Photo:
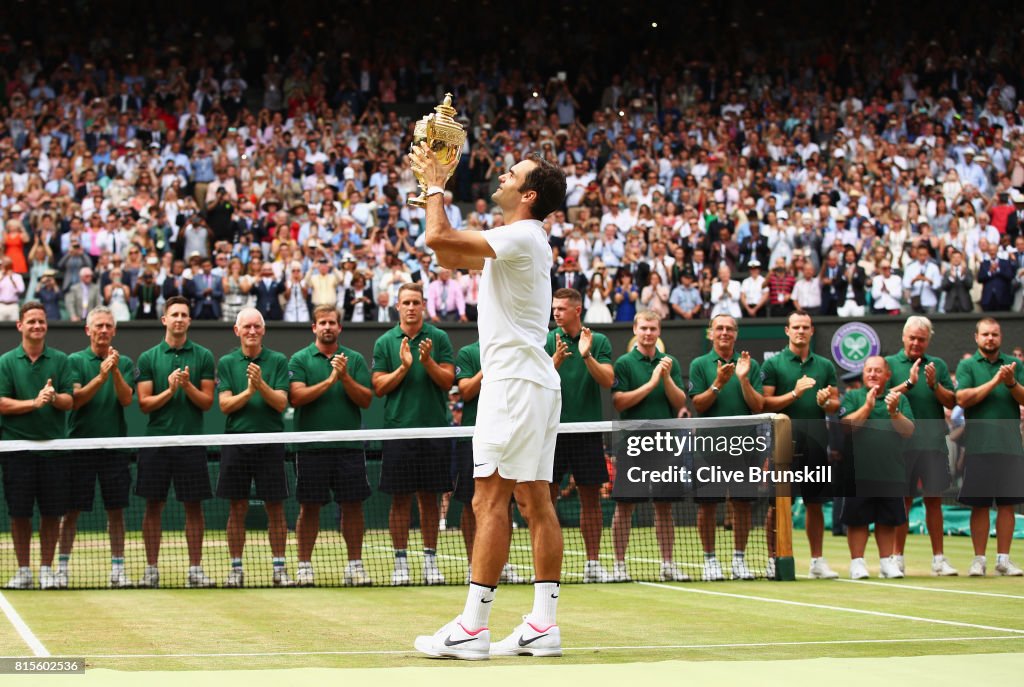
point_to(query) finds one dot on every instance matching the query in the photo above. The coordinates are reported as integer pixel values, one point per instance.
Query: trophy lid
(445, 111)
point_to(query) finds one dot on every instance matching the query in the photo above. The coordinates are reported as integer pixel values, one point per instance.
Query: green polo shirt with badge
(632, 371)
(930, 427)
(729, 401)
(334, 410)
(579, 387)
(22, 379)
(467, 364)
(877, 447)
(103, 415)
(784, 369)
(416, 401)
(256, 415)
(179, 415)
(993, 426)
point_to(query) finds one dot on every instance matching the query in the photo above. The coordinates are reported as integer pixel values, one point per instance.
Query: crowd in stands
(260, 168)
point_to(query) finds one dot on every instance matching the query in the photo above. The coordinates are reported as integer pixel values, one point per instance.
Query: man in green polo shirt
(413, 369)
(253, 397)
(990, 389)
(330, 387)
(725, 382)
(103, 387)
(175, 385)
(925, 382)
(803, 385)
(648, 386)
(584, 362)
(35, 394)
(877, 422)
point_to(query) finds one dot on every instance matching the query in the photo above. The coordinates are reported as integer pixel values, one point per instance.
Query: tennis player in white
(520, 402)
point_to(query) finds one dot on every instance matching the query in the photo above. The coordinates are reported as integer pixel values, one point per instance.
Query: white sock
(195, 569)
(26, 570)
(477, 612)
(980, 558)
(857, 560)
(938, 558)
(306, 564)
(545, 604)
(739, 554)
(1002, 558)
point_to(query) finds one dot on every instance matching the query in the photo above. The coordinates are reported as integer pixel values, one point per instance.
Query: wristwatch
(909, 384)
(794, 394)
(715, 389)
(588, 355)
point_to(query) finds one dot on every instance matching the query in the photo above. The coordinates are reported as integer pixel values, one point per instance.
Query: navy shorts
(30, 478)
(859, 511)
(412, 465)
(184, 466)
(321, 471)
(263, 464)
(930, 468)
(582, 455)
(992, 479)
(462, 472)
(809, 450)
(110, 468)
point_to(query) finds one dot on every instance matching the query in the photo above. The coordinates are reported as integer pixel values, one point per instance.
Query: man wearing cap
(754, 291)
(780, 289)
(568, 276)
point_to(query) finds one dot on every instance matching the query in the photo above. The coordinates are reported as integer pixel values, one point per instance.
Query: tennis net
(381, 507)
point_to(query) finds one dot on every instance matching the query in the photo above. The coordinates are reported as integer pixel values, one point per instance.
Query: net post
(782, 456)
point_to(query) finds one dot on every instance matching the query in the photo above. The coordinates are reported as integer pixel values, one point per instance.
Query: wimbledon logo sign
(853, 343)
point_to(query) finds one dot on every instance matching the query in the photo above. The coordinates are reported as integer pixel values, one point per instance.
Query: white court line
(890, 585)
(22, 628)
(861, 611)
(650, 647)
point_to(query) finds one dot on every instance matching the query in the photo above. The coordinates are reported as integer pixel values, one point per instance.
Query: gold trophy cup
(445, 137)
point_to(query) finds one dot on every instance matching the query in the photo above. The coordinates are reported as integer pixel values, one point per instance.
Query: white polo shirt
(515, 304)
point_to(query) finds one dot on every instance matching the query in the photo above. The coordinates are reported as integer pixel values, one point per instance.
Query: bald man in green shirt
(253, 397)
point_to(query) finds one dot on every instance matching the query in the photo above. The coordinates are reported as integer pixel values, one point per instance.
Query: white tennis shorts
(516, 427)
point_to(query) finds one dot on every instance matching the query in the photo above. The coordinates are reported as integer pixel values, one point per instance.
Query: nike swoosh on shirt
(527, 642)
(449, 642)
(476, 465)
(554, 596)
(486, 602)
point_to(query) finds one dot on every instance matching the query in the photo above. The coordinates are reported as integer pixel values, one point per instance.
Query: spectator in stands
(207, 291)
(685, 299)
(267, 290)
(780, 289)
(34, 409)
(850, 286)
(445, 301)
(624, 296)
(754, 291)
(12, 286)
(886, 290)
(996, 274)
(82, 296)
(725, 294)
(655, 296)
(807, 293)
(922, 279)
